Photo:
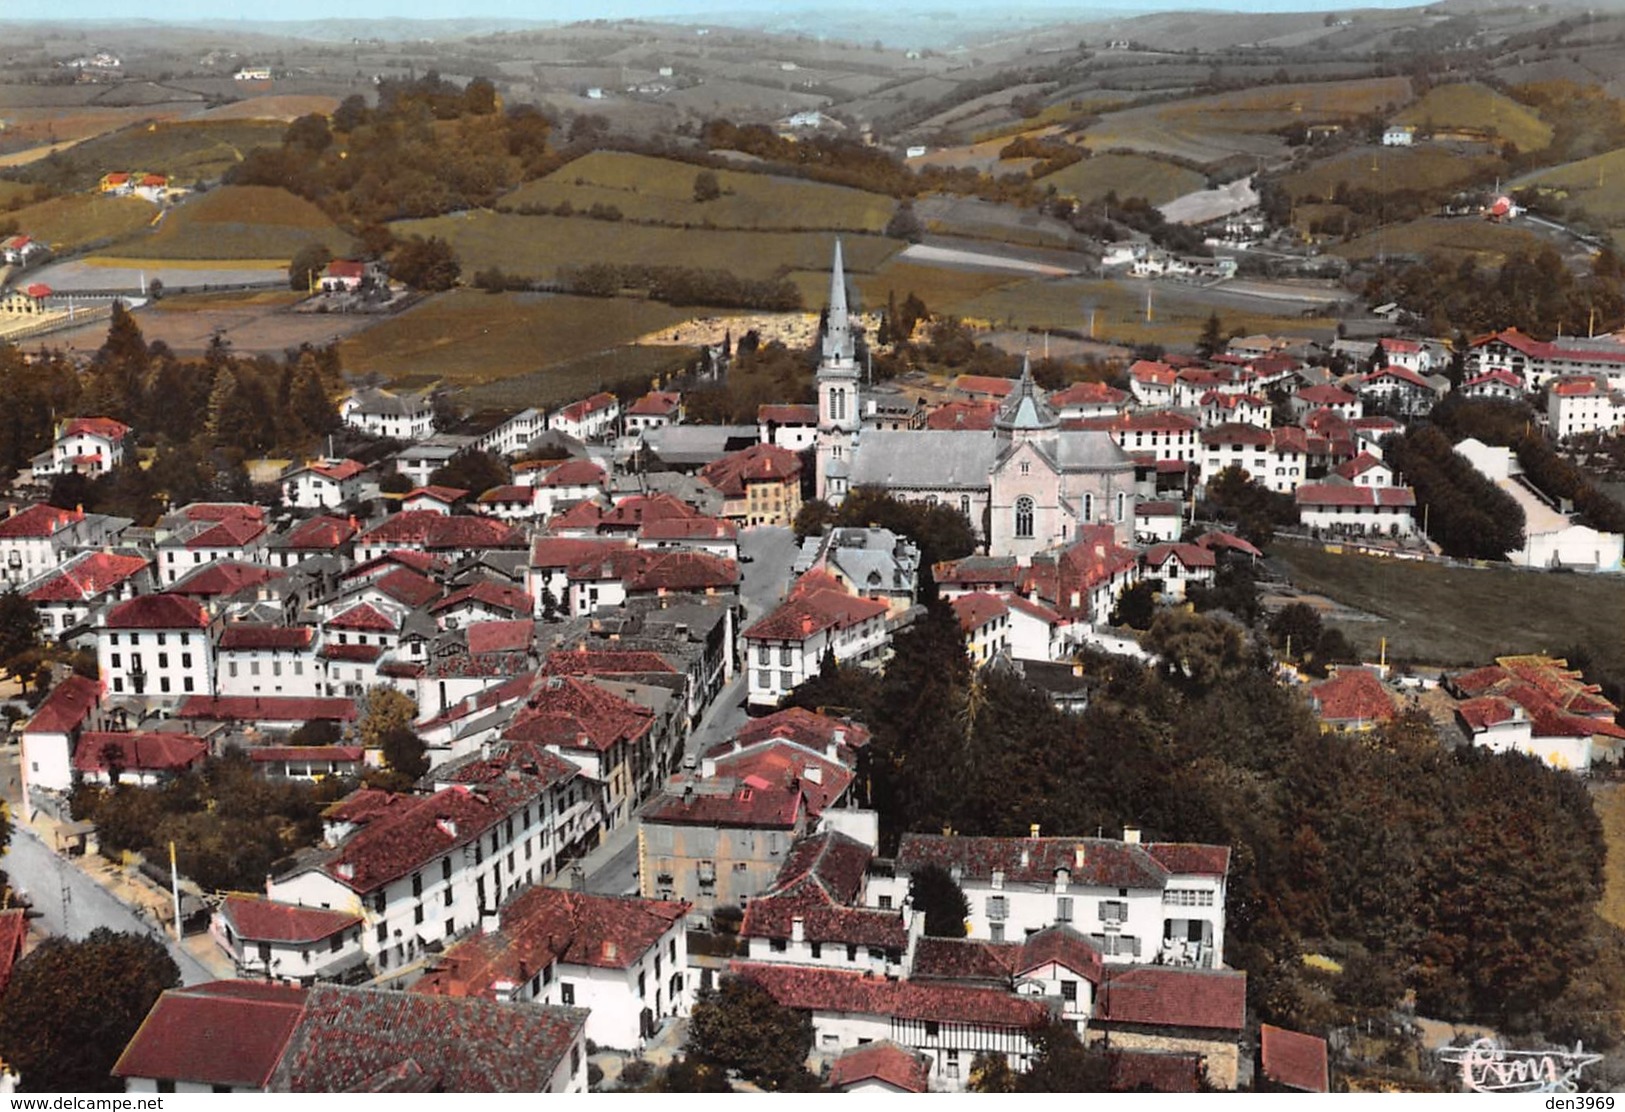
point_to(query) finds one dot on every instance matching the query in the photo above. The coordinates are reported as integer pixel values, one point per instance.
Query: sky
(174, 11)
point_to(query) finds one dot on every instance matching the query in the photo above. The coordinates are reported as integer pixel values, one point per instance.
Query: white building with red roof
(1344, 403)
(1088, 399)
(436, 498)
(588, 419)
(209, 532)
(1158, 521)
(714, 535)
(1218, 407)
(253, 658)
(427, 531)
(1143, 902)
(1291, 1061)
(623, 958)
(1180, 566)
(316, 536)
(1152, 383)
(984, 621)
(792, 427)
(20, 250)
(67, 597)
(87, 445)
(760, 485)
(156, 647)
(1347, 509)
(561, 483)
(788, 645)
(72, 708)
(655, 410)
(323, 484)
(814, 913)
(1397, 389)
(38, 538)
(1497, 385)
(285, 942)
(717, 843)
(143, 758)
(342, 276)
(1537, 362)
(510, 502)
(1413, 355)
(1584, 404)
(880, 1067)
(1352, 699)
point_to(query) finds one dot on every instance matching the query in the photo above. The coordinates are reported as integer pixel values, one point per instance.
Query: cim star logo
(1488, 1067)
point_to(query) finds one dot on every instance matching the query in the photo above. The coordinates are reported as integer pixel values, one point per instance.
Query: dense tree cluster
(1233, 495)
(1466, 514)
(739, 1026)
(72, 1006)
(682, 285)
(429, 147)
(1387, 845)
(941, 531)
(230, 825)
(1535, 292)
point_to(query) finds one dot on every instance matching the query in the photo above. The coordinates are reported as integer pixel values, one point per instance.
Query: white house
(158, 647)
(323, 484)
(381, 413)
(1584, 404)
(1153, 902)
(21, 250)
(655, 410)
(1345, 508)
(36, 540)
(787, 647)
(1179, 566)
(255, 659)
(588, 419)
(623, 958)
(207, 535)
(1398, 135)
(50, 738)
(1158, 521)
(1497, 385)
(88, 445)
(67, 597)
(273, 941)
(984, 620)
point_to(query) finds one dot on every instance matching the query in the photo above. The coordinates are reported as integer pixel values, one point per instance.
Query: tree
(1197, 651)
(474, 471)
(19, 629)
(706, 186)
(739, 1026)
(72, 1006)
(384, 710)
(318, 731)
(404, 752)
(1062, 1064)
(1297, 625)
(425, 264)
(687, 1075)
(904, 224)
(1136, 606)
(935, 893)
(307, 266)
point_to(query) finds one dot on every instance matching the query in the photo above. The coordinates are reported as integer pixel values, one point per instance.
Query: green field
(537, 246)
(576, 378)
(943, 289)
(1479, 108)
(1385, 170)
(1127, 175)
(1592, 183)
(237, 222)
(1488, 244)
(1460, 616)
(84, 219)
(662, 191)
(1177, 316)
(13, 192)
(469, 338)
(187, 152)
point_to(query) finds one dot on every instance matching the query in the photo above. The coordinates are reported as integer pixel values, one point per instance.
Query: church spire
(838, 332)
(1026, 407)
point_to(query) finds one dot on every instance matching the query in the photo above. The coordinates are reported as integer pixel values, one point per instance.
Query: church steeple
(838, 346)
(1025, 409)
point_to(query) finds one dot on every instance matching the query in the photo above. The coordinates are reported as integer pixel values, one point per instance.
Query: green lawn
(1127, 175)
(537, 246)
(1467, 104)
(184, 151)
(238, 222)
(1462, 616)
(662, 191)
(84, 219)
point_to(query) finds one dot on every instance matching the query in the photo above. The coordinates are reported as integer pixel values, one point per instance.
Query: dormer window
(998, 878)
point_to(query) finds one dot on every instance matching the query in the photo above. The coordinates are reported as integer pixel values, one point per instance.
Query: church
(1027, 486)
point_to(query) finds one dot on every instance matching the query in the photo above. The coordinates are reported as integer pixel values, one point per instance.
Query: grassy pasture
(658, 189)
(1127, 175)
(469, 338)
(1487, 243)
(537, 246)
(1593, 183)
(83, 219)
(1384, 170)
(186, 151)
(237, 222)
(1471, 105)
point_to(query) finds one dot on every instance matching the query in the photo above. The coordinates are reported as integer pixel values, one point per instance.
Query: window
(784, 656)
(1026, 468)
(817, 949)
(383, 934)
(1063, 909)
(1024, 516)
(931, 1029)
(1069, 991)
(567, 994)
(764, 654)
(885, 903)
(445, 868)
(997, 908)
(1188, 897)
(163, 662)
(995, 931)
(116, 664)
(851, 951)
(778, 945)
(1113, 911)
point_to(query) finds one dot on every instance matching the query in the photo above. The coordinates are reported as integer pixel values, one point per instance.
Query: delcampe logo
(1488, 1067)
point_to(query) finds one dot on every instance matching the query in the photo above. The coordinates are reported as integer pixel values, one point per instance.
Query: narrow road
(771, 552)
(72, 904)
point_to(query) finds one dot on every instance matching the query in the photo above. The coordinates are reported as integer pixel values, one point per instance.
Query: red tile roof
(13, 933)
(815, 731)
(1088, 393)
(1338, 495)
(1237, 433)
(1061, 945)
(829, 990)
(509, 493)
(1504, 377)
(407, 587)
(1190, 858)
(318, 534)
(1402, 374)
(562, 552)
(760, 463)
(1215, 539)
(489, 594)
(965, 959)
(1327, 395)
(785, 765)
(222, 1033)
(598, 402)
(346, 268)
(656, 403)
(975, 610)
(356, 1039)
(265, 708)
(787, 414)
(38, 290)
(1353, 695)
(572, 473)
(885, 1062)
(431, 530)
(1152, 1071)
(807, 612)
(138, 752)
(975, 416)
(233, 532)
(1170, 996)
(157, 612)
(689, 529)
(256, 919)
(433, 493)
(417, 830)
(1105, 863)
(742, 807)
(577, 714)
(984, 384)
(221, 578)
(67, 706)
(1293, 1059)
(38, 520)
(583, 661)
(501, 637)
(1582, 387)
(88, 578)
(1188, 555)
(252, 635)
(1159, 374)
(104, 427)
(364, 617)
(356, 654)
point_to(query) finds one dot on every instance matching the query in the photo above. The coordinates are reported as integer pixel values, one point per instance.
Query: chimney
(1079, 852)
(447, 827)
(798, 929)
(708, 768)
(813, 774)
(503, 991)
(1032, 831)
(833, 751)
(346, 870)
(1026, 857)
(1131, 835)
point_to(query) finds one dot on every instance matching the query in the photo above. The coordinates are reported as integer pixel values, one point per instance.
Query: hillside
(237, 222)
(1475, 108)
